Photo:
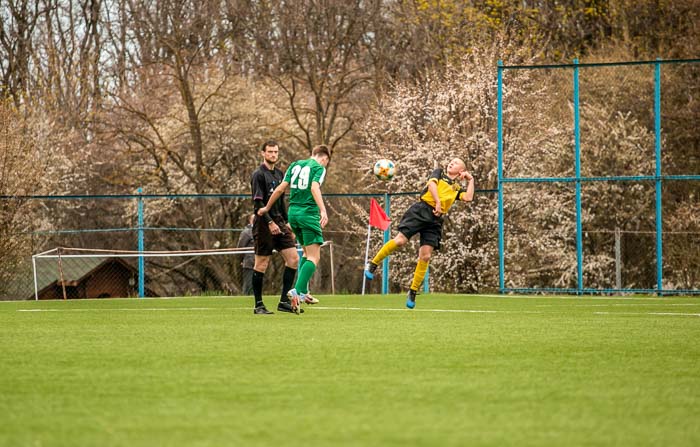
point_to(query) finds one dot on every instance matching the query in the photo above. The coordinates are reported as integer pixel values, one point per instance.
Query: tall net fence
(35, 224)
(174, 224)
(600, 173)
(598, 192)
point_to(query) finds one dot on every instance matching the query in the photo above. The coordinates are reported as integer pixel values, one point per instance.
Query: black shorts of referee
(419, 218)
(266, 242)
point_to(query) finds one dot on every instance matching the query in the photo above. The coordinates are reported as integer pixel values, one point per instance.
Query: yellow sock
(419, 274)
(385, 251)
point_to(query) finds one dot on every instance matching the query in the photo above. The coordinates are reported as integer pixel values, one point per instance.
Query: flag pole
(364, 279)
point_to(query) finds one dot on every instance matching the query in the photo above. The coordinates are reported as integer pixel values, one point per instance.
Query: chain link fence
(599, 170)
(174, 224)
(599, 177)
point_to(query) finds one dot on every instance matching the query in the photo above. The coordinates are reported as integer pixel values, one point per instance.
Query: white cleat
(295, 301)
(309, 299)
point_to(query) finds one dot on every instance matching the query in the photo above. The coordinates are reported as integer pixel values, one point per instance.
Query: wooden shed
(111, 278)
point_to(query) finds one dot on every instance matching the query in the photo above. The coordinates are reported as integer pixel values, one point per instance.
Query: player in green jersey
(307, 214)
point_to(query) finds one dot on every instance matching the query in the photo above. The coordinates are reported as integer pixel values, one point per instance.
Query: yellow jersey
(449, 190)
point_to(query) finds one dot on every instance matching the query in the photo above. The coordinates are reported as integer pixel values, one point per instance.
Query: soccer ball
(384, 169)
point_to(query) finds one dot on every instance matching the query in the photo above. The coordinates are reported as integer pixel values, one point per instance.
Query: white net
(75, 273)
(66, 273)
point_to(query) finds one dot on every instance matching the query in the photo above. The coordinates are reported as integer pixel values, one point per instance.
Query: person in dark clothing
(245, 240)
(271, 230)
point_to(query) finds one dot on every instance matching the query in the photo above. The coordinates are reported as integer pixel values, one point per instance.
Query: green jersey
(300, 175)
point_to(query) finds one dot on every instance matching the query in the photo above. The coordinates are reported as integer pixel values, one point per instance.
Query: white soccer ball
(384, 169)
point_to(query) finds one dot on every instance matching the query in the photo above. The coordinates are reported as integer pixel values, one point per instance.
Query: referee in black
(271, 230)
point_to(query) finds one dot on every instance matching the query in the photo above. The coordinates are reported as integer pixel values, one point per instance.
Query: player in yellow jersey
(425, 217)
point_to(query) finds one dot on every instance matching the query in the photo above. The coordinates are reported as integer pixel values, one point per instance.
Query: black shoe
(285, 306)
(262, 311)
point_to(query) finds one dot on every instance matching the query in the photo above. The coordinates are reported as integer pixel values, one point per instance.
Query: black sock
(257, 287)
(287, 282)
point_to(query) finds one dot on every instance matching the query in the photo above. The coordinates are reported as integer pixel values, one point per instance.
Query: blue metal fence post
(577, 148)
(387, 236)
(501, 263)
(659, 220)
(141, 245)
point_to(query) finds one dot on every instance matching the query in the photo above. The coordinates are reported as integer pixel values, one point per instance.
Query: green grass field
(352, 371)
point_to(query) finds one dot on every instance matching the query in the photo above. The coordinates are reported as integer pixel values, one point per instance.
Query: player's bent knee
(292, 261)
(261, 264)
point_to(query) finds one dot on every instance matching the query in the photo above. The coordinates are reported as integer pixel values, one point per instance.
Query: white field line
(364, 309)
(572, 297)
(360, 309)
(143, 309)
(145, 298)
(665, 314)
(617, 304)
(385, 309)
(526, 297)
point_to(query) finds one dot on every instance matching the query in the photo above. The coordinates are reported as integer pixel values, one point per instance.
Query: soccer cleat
(296, 305)
(370, 270)
(411, 299)
(285, 306)
(294, 301)
(262, 311)
(309, 299)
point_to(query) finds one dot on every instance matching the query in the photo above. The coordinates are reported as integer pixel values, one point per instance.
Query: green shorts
(307, 228)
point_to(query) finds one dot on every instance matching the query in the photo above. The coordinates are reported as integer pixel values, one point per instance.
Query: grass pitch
(352, 371)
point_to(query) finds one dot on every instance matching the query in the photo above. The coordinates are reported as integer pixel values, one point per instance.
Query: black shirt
(262, 184)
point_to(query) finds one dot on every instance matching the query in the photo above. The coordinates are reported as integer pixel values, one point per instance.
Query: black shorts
(266, 242)
(420, 219)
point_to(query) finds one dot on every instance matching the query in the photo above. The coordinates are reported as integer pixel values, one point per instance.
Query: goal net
(74, 273)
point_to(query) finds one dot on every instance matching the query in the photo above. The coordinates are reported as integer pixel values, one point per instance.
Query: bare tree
(316, 52)
(18, 19)
(24, 161)
(186, 125)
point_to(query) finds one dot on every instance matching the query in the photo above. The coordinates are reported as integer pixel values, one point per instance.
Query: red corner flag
(377, 216)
